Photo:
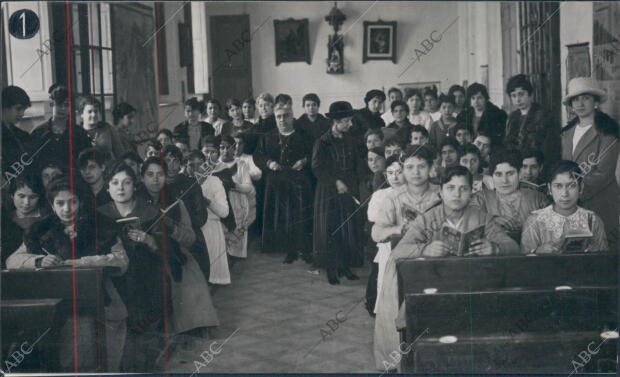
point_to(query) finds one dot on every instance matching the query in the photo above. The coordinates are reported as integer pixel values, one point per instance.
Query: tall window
(91, 53)
(162, 56)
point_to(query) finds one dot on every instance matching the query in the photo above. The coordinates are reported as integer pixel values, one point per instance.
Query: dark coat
(181, 132)
(262, 127)
(56, 147)
(363, 120)
(315, 129)
(287, 212)
(597, 155)
(15, 142)
(537, 130)
(336, 230)
(493, 122)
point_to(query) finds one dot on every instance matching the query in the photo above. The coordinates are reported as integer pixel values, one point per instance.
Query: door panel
(231, 74)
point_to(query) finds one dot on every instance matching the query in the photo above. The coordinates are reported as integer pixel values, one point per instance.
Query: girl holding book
(191, 299)
(564, 226)
(153, 256)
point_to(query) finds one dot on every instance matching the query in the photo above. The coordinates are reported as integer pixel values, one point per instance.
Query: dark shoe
(349, 274)
(332, 278)
(290, 258)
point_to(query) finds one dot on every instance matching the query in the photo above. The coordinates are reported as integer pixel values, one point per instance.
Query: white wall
(416, 20)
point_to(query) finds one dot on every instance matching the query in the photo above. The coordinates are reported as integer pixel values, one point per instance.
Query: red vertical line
(165, 271)
(71, 181)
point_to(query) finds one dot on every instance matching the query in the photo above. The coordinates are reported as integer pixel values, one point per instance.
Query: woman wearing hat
(591, 140)
(370, 116)
(334, 162)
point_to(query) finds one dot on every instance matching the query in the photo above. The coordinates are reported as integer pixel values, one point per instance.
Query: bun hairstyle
(58, 93)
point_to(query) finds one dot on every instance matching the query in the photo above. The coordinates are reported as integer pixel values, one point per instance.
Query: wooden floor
(274, 314)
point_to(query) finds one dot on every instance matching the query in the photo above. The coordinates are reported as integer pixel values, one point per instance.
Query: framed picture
(379, 41)
(292, 41)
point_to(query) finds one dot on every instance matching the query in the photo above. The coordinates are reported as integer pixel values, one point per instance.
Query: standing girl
(591, 140)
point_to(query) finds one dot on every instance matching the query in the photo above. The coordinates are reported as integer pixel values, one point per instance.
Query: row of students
(417, 211)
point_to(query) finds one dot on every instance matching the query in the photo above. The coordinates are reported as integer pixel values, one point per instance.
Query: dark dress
(15, 142)
(287, 214)
(364, 120)
(181, 132)
(229, 128)
(315, 129)
(336, 230)
(144, 288)
(492, 121)
(55, 147)
(262, 127)
(402, 133)
(190, 193)
(538, 130)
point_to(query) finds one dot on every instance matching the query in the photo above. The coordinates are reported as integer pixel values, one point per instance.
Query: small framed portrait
(379, 41)
(292, 41)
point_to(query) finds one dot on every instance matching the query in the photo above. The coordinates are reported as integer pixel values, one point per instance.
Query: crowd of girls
(170, 215)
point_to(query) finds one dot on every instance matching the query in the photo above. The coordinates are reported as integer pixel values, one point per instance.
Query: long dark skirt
(336, 229)
(287, 213)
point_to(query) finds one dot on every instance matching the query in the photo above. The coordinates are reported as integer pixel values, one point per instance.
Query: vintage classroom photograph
(308, 187)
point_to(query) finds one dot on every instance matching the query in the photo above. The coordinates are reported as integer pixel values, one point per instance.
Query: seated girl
(564, 226)
(399, 207)
(384, 227)
(506, 203)
(51, 242)
(425, 236)
(27, 193)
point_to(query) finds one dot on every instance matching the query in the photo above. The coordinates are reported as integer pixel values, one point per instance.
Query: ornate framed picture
(292, 41)
(379, 41)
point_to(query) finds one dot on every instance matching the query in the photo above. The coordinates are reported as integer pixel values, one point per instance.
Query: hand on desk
(481, 247)
(50, 261)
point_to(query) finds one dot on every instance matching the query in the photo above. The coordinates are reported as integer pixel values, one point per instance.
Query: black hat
(374, 93)
(339, 110)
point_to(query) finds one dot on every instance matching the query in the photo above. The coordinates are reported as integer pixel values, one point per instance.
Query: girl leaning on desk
(49, 242)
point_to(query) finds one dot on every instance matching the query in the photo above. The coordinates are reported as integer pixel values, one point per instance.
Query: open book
(460, 242)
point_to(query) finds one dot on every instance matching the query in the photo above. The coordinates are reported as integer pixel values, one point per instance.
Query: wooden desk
(26, 322)
(528, 331)
(468, 290)
(58, 283)
(471, 274)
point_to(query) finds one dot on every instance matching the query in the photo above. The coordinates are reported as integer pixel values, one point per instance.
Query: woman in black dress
(336, 229)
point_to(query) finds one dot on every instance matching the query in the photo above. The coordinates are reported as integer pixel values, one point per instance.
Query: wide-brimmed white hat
(583, 85)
